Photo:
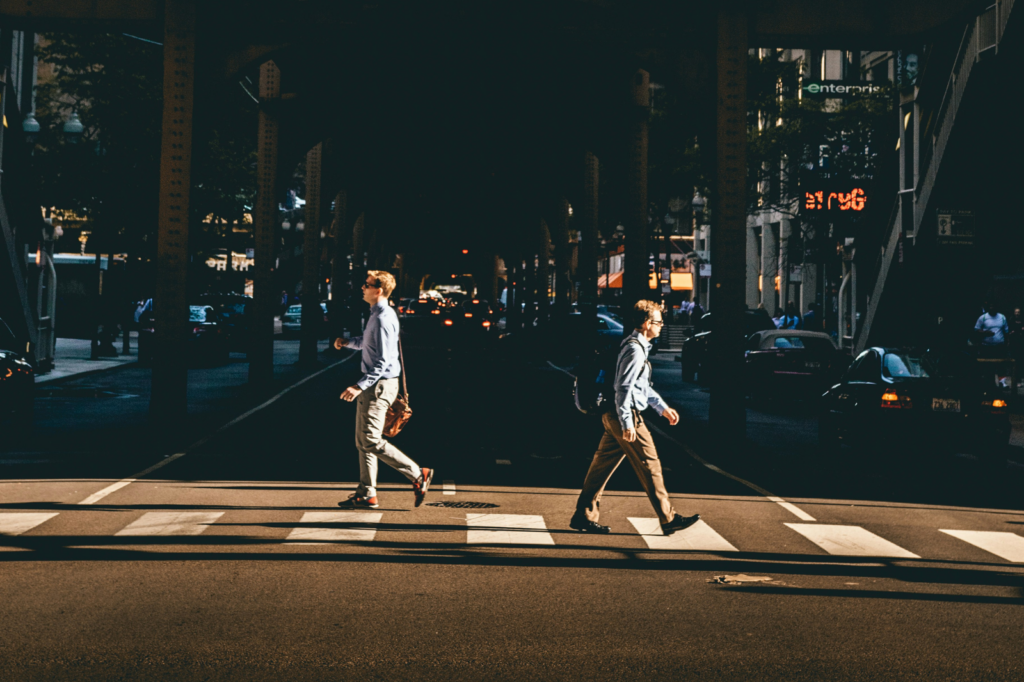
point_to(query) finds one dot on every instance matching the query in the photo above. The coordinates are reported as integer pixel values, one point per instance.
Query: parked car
(291, 320)
(208, 339)
(793, 362)
(694, 356)
(233, 310)
(894, 400)
(17, 379)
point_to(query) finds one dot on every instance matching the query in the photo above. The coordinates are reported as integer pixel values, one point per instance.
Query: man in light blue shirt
(627, 436)
(375, 392)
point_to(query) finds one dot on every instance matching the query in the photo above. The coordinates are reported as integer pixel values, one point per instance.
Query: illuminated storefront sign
(840, 89)
(825, 201)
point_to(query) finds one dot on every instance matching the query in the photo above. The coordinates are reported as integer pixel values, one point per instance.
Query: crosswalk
(530, 530)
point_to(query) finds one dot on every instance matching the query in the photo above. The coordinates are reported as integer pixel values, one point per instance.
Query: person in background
(993, 331)
(812, 318)
(790, 319)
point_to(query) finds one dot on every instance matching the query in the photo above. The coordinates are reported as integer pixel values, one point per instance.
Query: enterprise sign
(825, 201)
(840, 88)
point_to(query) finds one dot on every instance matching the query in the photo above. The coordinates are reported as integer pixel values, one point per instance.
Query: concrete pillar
(784, 292)
(265, 296)
(769, 267)
(635, 278)
(168, 401)
(753, 268)
(585, 219)
(727, 415)
(312, 315)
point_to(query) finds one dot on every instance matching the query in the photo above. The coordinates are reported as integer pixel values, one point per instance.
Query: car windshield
(809, 342)
(198, 313)
(613, 324)
(900, 366)
(294, 310)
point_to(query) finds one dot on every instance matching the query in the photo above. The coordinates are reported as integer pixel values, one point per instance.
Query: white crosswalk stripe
(507, 529)
(1009, 546)
(700, 536)
(850, 541)
(171, 523)
(16, 523)
(328, 527)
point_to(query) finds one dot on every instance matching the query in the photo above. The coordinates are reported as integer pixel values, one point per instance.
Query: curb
(43, 381)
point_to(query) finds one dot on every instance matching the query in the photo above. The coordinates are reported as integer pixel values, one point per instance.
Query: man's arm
(627, 371)
(355, 343)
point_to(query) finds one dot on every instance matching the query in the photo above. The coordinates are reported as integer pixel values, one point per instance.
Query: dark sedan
(791, 362)
(920, 404)
(695, 349)
(17, 379)
(208, 339)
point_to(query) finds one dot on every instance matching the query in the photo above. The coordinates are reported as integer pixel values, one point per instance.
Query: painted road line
(171, 523)
(700, 536)
(850, 541)
(1009, 546)
(326, 527)
(788, 506)
(507, 529)
(114, 487)
(449, 487)
(16, 523)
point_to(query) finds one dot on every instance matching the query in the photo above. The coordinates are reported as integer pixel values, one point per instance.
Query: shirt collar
(379, 307)
(644, 341)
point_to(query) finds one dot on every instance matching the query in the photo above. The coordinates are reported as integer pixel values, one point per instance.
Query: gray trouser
(371, 408)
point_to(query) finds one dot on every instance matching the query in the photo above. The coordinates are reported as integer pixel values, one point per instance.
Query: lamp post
(30, 127)
(73, 128)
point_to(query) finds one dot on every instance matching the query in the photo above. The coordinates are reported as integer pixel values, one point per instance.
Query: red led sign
(854, 200)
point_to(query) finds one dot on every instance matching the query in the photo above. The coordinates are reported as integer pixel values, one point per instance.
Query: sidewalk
(71, 359)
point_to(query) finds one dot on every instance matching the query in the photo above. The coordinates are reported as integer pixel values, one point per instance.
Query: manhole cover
(462, 505)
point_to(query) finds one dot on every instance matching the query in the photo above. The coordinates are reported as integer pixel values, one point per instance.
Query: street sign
(705, 269)
(955, 227)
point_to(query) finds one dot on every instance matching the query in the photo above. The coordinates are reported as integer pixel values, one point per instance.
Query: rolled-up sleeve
(627, 372)
(387, 341)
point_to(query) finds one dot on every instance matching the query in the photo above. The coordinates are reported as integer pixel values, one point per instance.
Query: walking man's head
(647, 318)
(378, 286)
(990, 307)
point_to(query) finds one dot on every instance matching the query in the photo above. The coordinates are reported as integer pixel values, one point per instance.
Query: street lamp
(30, 126)
(73, 128)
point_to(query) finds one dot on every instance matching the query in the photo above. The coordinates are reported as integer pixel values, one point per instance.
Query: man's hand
(351, 393)
(671, 415)
(629, 435)
(340, 343)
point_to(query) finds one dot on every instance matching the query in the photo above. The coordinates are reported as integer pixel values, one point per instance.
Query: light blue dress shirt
(379, 344)
(633, 390)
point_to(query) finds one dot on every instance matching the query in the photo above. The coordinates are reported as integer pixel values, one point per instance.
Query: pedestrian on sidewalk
(374, 393)
(627, 436)
(993, 331)
(791, 318)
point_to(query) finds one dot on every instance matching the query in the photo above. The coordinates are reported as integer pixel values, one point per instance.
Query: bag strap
(401, 362)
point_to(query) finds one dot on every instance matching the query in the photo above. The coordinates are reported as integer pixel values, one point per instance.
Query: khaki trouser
(371, 409)
(610, 453)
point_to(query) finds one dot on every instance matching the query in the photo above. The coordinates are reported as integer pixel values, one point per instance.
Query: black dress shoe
(679, 523)
(582, 524)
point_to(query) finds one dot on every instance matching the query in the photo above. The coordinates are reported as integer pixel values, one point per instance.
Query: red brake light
(894, 401)
(998, 406)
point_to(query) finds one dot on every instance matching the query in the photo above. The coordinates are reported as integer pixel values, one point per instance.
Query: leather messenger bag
(399, 412)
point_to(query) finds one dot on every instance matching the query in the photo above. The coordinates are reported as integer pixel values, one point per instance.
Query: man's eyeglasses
(660, 323)
(367, 284)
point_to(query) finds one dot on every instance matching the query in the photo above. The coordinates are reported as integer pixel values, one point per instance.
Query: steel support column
(560, 240)
(168, 399)
(261, 349)
(339, 264)
(585, 218)
(727, 411)
(312, 316)
(636, 275)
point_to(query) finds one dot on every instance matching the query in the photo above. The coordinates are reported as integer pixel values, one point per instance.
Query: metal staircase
(981, 39)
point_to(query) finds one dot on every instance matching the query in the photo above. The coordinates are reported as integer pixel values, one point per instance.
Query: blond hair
(384, 280)
(642, 312)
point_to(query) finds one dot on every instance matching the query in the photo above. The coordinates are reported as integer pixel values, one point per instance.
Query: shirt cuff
(364, 383)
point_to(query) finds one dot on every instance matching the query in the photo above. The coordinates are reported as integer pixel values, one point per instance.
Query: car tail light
(487, 323)
(196, 330)
(997, 406)
(401, 308)
(893, 400)
(8, 375)
(469, 314)
(411, 311)
(448, 323)
(435, 312)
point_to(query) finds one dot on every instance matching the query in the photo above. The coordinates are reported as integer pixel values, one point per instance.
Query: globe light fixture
(73, 128)
(30, 126)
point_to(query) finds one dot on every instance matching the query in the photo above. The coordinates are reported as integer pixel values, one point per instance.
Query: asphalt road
(232, 561)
